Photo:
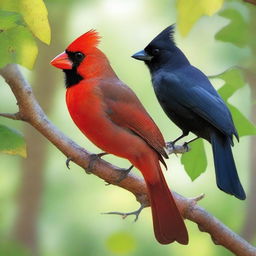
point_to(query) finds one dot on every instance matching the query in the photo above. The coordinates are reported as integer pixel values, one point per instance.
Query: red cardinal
(112, 117)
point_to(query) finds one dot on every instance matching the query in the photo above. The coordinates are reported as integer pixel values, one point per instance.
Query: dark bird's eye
(155, 51)
(79, 56)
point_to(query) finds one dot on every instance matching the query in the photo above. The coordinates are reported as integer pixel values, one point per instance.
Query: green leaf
(8, 20)
(17, 42)
(35, 15)
(236, 31)
(121, 242)
(243, 125)
(189, 11)
(195, 161)
(234, 80)
(12, 142)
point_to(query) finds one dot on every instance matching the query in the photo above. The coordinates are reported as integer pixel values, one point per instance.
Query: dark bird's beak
(142, 55)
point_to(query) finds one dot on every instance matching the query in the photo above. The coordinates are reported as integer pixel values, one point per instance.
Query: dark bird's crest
(165, 38)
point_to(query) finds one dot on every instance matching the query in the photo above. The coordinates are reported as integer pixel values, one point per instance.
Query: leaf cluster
(21, 22)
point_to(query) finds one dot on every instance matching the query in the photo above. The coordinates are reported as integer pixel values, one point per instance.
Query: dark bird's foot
(184, 134)
(93, 159)
(186, 143)
(170, 145)
(176, 149)
(124, 215)
(186, 146)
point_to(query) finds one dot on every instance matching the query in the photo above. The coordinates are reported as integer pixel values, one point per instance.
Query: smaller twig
(198, 198)
(192, 203)
(15, 116)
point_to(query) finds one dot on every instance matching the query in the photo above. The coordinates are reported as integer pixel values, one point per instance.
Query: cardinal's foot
(93, 159)
(123, 174)
(124, 215)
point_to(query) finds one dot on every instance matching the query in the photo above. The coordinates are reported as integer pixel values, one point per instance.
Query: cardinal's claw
(93, 159)
(123, 174)
(68, 161)
(124, 215)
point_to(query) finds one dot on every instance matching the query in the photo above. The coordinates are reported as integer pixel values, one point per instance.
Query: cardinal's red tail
(168, 222)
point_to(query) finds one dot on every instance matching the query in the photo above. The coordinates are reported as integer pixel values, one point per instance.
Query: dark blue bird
(191, 102)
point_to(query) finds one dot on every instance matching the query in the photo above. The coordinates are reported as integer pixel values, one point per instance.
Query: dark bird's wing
(211, 108)
(198, 95)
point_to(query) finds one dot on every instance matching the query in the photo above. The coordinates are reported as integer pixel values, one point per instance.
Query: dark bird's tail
(226, 174)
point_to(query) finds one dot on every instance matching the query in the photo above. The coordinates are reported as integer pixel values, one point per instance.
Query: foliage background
(46, 209)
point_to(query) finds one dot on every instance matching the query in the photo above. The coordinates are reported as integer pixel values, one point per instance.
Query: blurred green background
(48, 210)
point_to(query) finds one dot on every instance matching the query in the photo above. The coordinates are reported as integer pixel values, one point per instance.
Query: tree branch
(251, 1)
(31, 112)
(15, 116)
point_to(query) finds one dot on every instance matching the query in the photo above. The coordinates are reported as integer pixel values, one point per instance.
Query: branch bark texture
(31, 112)
(250, 1)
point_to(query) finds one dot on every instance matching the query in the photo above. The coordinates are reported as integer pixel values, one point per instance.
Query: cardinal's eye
(155, 51)
(79, 56)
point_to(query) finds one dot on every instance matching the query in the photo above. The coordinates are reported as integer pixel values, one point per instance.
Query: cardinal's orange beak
(62, 61)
